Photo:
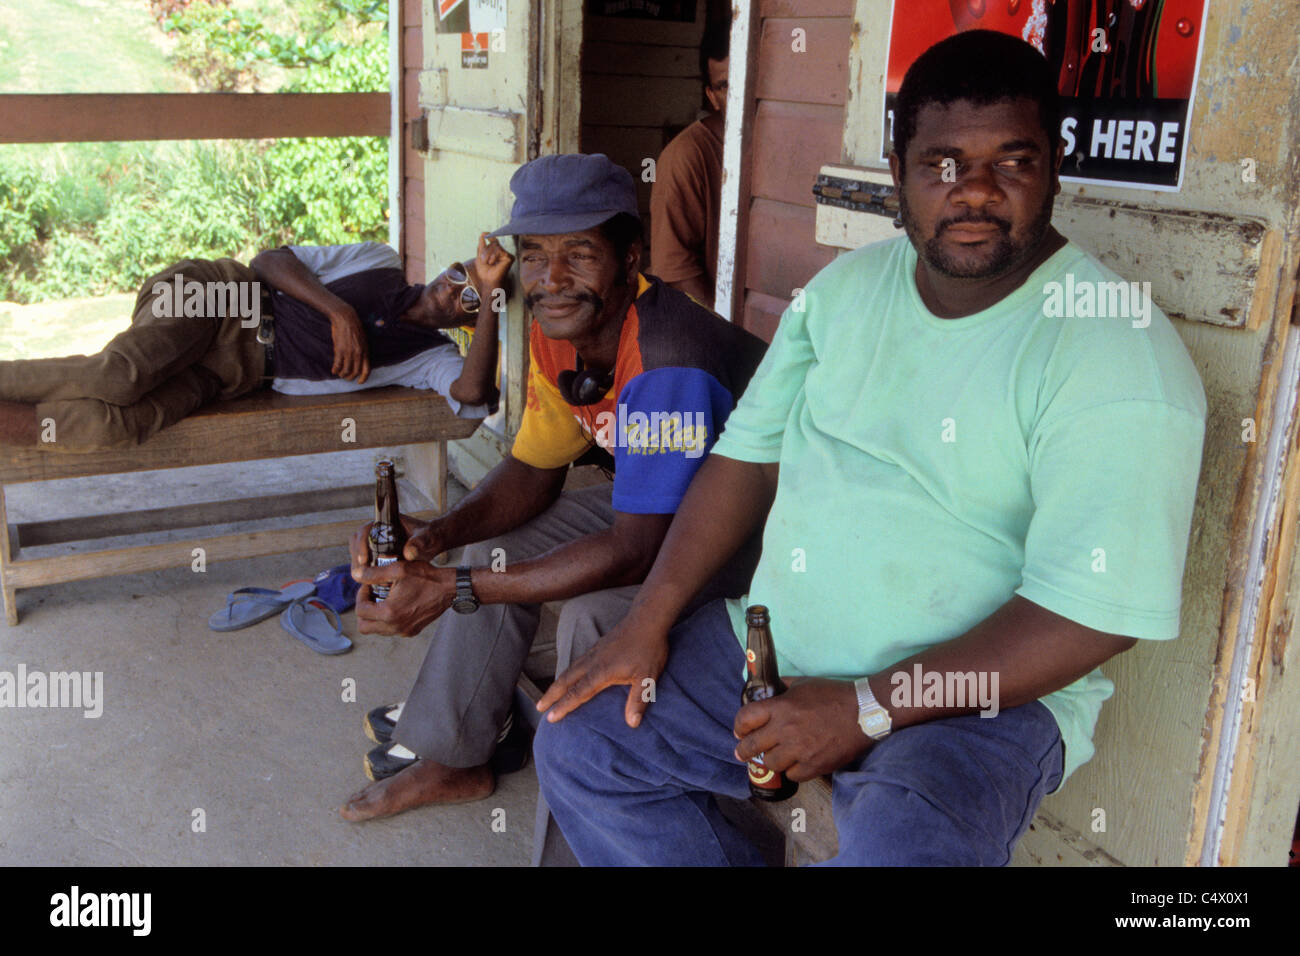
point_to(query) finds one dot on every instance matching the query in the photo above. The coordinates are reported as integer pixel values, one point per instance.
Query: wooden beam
(123, 117)
(33, 534)
(156, 557)
(263, 424)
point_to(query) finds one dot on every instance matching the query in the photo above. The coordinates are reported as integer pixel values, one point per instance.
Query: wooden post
(6, 556)
(729, 301)
(426, 469)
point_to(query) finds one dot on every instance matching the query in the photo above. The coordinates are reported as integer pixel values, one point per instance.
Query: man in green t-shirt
(976, 451)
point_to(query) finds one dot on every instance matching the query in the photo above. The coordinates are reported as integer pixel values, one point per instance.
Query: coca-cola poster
(1127, 72)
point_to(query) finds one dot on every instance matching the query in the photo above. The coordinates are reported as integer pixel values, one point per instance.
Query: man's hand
(627, 655)
(810, 730)
(423, 541)
(359, 546)
(491, 266)
(351, 355)
(418, 595)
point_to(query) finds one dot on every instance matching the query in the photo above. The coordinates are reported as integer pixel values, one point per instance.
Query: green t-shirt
(932, 468)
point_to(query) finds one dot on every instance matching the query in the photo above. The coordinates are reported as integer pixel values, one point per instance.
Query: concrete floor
(249, 727)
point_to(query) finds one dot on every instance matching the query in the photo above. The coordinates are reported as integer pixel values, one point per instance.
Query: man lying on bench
(306, 320)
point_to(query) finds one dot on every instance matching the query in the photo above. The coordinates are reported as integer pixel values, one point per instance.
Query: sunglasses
(458, 277)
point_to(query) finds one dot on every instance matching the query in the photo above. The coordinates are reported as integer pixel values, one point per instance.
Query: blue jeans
(958, 791)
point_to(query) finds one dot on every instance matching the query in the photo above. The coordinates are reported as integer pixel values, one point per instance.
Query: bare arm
(477, 382)
(813, 729)
(619, 556)
(282, 270)
(510, 495)
(422, 592)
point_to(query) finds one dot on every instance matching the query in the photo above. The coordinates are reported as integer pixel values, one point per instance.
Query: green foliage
(88, 219)
(114, 217)
(27, 205)
(328, 191)
(227, 49)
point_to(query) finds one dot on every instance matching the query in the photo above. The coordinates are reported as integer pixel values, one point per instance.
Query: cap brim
(553, 224)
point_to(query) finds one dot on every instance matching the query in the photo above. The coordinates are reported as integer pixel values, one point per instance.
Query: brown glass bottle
(763, 682)
(387, 534)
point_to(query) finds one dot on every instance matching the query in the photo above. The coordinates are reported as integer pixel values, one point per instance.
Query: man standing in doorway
(687, 189)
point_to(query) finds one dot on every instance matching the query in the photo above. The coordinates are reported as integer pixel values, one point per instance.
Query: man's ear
(632, 264)
(896, 169)
(1056, 167)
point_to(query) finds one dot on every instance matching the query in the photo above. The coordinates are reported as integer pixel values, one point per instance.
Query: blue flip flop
(248, 606)
(317, 625)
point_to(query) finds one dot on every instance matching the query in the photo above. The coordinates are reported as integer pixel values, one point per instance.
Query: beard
(1004, 256)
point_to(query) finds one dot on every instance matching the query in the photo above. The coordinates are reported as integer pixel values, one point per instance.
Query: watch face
(464, 605)
(874, 724)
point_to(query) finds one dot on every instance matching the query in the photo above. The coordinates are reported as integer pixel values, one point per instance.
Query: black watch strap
(464, 602)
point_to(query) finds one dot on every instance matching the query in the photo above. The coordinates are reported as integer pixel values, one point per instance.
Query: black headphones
(584, 386)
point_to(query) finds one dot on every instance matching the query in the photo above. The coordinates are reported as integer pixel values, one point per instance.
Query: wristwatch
(464, 602)
(872, 718)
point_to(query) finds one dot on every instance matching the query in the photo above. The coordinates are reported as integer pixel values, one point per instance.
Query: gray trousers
(465, 688)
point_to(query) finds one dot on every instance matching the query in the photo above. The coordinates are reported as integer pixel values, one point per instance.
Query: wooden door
(490, 100)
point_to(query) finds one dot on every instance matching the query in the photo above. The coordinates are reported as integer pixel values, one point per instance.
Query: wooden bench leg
(426, 468)
(6, 557)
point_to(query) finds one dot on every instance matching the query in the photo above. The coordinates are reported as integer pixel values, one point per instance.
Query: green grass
(83, 46)
(69, 327)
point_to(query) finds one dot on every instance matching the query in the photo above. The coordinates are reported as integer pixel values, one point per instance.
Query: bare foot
(422, 783)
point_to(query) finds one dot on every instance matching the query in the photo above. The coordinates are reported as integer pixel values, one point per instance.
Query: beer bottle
(763, 682)
(387, 534)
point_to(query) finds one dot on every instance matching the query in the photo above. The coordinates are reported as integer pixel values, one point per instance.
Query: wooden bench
(259, 426)
(810, 836)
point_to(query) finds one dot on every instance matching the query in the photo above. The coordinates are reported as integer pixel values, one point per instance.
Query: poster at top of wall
(453, 16)
(487, 16)
(1126, 70)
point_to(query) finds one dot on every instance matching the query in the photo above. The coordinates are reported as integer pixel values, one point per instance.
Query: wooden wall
(798, 128)
(640, 86)
(413, 163)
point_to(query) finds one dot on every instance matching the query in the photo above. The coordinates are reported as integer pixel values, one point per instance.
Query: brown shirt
(684, 205)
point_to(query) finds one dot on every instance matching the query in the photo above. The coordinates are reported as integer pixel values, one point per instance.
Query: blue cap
(559, 194)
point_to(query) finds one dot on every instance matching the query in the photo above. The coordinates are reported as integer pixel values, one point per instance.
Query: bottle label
(761, 776)
(379, 592)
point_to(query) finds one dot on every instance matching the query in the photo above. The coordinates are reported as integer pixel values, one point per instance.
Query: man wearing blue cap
(624, 370)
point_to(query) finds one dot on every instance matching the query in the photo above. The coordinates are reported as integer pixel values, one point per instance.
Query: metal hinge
(856, 194)
(419, 127)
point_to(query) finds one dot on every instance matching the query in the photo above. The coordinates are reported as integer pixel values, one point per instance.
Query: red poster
(1127, 74)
